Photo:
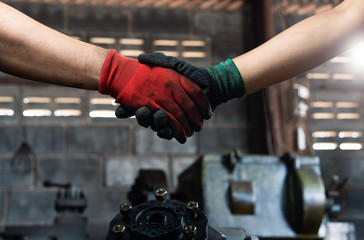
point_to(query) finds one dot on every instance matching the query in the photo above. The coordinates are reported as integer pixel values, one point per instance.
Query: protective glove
(158, 120)
(136, 85)
(220, 83)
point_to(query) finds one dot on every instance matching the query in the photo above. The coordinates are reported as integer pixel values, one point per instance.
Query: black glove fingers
(157, 59)
(161, 60)
(144, 116)
(160, 119)
(166, 132)
(124, 112)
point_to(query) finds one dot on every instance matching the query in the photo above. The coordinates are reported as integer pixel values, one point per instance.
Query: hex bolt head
(118, 228)
(125, 209)
(192, 206)
(190, 231)
(160, 194)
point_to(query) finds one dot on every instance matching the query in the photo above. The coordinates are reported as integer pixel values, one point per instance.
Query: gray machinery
(229, 197)
(70, 224)
(269, 197)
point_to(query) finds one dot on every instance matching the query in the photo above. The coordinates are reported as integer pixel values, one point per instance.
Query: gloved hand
(220, 83)
(136, 85)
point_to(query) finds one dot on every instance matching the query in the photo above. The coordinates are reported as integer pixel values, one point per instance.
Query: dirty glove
(158, 121)
(136, 85)
(220, 83)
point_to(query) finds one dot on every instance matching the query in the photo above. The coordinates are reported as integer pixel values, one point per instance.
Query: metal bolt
(190, 231)
(160, 194)
(118, 228)
(125, 209)
(192, 206)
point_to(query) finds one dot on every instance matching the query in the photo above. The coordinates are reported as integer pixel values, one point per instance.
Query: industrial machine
(232, 197)
(270, 197)
(165, 219)
(70, 224)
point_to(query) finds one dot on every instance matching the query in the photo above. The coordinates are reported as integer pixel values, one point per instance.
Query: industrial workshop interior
(285, 162)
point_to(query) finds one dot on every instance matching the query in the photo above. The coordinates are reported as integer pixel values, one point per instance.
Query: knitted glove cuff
(228, 80)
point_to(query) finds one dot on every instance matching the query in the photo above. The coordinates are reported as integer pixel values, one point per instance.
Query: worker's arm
(292, 52)
(31, 50)
(302, 47)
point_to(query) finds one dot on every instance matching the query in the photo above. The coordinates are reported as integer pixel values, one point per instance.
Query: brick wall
(103, 156)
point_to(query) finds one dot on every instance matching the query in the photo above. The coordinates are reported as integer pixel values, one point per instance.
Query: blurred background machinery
(70, 224)
(270, 197)
(229, 197)
(165, 219)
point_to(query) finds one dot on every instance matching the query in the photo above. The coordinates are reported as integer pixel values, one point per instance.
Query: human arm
(292, 52)
(31, 50)
(302, 47)
(296, 50)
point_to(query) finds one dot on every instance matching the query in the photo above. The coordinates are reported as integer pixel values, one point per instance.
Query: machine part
(165, 219)
(146, 183)
(228, 233)
(305, 196)
(118, 229)
(160, 194)
(192, 207)
(190, 231)
(208, 182)
(69, 224)
(241, 197)
(125, 209)
(305, 203)
(161, 219)
(69, 198)
(333, 195)
(231, 159)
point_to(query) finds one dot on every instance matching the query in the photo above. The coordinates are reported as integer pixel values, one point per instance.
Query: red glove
(136, 85)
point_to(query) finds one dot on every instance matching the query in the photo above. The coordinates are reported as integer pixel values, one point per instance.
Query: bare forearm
(31, 50)
(302, 47)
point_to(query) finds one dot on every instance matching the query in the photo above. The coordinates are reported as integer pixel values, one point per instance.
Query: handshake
(169, 95)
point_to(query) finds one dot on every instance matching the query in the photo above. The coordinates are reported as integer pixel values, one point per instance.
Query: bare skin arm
(302, 47)
(31, 50)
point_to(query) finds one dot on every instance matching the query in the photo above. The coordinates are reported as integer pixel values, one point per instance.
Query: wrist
(228, 80)
(93, 70)
(116, 72)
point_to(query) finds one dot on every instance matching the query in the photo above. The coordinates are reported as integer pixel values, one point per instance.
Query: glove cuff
(228, 80)
(116, 72)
